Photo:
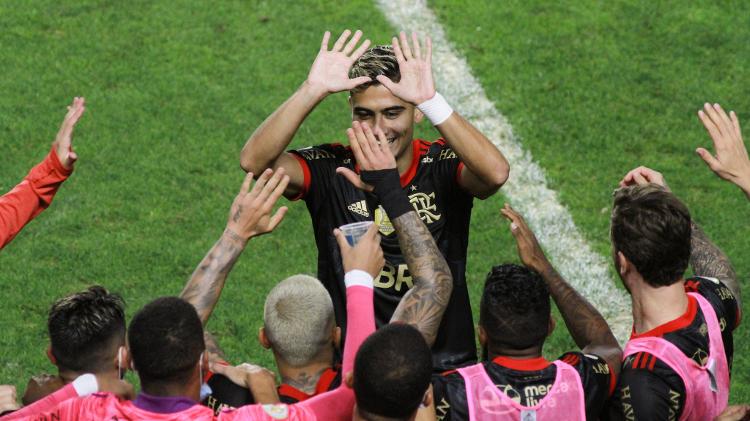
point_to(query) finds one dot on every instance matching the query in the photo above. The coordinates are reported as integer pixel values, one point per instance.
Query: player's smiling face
(379, 108)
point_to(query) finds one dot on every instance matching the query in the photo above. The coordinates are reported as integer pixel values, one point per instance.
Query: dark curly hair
(515, 307)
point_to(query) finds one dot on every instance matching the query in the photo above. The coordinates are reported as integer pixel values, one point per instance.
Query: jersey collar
(524, 364)
(679, 323)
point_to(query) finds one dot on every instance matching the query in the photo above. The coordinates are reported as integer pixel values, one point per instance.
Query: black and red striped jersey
(431, 183)
(527, 382)
(648, 389)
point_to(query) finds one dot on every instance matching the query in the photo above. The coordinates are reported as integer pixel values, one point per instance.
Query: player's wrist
(387, 187)
(234, 235)
(436, 109)
(358, 277)
(315, 90)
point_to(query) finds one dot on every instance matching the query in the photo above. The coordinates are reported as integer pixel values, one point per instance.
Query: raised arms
(251, 215)
(423, 305)
(731, 161)
(328, 74)
(587, 327)
(486, 169)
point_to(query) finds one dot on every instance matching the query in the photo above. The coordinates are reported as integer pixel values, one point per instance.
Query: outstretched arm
(328, 74)
(35, 193)
(731, 161)
(249, 216)
(586, 325)
(486, 169)
(424, 304)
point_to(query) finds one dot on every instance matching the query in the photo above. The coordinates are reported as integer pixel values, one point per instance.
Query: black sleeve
(319, 165)
(721, 298)
(447, 166)
(596, 377)
(654, 392)
(449, 393)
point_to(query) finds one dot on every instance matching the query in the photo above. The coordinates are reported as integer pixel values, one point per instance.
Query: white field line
(527, 187)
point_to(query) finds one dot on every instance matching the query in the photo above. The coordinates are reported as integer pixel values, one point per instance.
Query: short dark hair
(392, 372)
(652, 228)
(86, 328)
(515, 307)
(165, 339)
(378, 60)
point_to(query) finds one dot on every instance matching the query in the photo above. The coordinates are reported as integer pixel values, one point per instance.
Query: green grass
(174, 88)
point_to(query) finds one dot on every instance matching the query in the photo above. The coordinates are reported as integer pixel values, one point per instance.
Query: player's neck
(516, 354)
(403, 162)
(68, 376)
(189, 389)
(653, 307)
(305, 378)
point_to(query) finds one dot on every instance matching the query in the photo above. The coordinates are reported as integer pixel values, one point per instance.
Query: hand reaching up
(731, 161)
(330, 70)
(63, 143)
(250, 214)
(416, 85)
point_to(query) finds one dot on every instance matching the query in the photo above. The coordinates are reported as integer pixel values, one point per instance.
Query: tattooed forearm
(205, 285)
(212, 345)
(708, 260)
(424, 305)
(585, 324)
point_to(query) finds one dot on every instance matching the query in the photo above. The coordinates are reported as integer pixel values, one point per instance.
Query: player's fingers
(385, 81)
(735, 124)
(342, 39)
(372, 233)
(361, 50)
(261, 182)
(271, 184)
(275, 195)
(726, 123)
(353, 178)
(428, 54)
(405, 46)
(709, 159)
(639, 179)
(353, 83)
(357, 147)
(352, 42)
(364, 143)
(341, 240)
(714, 116)
(277, 218)
(372, 142)
(324, 42)
(246, 183)
(397, 50)
(415, 43)
(381, 141)
(711, 128)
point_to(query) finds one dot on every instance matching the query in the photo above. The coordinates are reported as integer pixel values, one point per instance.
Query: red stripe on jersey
(644, 360)
(652, 364)
(612, 380)
(526, 364)
(307, 178)
(636, 360)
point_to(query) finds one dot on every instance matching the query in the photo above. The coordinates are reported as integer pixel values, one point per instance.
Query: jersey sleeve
(597, 379)
(449, 393)
(447, 164)
(721, 299)
(319, 165)
(647, 390)
(31, 196)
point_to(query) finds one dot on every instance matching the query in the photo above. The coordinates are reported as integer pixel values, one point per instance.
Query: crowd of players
(385, 331)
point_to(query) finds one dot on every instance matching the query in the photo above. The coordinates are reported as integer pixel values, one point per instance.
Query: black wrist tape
(387, 184)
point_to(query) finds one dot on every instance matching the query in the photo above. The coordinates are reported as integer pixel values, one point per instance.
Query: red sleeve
(30, 197)
(338, 404)
(47, 404)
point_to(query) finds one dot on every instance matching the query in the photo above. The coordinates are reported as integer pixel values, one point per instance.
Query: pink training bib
(564, 401)
(706, 387)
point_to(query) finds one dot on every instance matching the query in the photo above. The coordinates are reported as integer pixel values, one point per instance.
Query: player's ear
(482, 336)
(427, 399)
(51, 356)
(263, 339)
(551, 325)
(623, 264)
(336, 337)
(349, 379)
(418, 115)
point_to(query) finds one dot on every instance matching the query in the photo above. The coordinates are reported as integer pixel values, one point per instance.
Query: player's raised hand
(330, 70)
(63, 143)
(529, 250)
(416, 85)
(251, 211)
(8, 399)
(366, 255)
(731, 161)
(371, 152)
(643, 175)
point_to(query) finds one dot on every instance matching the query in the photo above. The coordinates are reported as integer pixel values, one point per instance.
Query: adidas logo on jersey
(359, 208)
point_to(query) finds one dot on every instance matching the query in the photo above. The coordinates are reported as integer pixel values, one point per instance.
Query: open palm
(330, 70)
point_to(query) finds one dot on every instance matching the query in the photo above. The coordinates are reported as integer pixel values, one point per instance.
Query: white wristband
(85, 385)
(358, 277)
(436, 109)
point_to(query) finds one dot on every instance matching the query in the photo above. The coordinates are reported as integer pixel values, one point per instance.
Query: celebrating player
(731, 162)
(391, 88)
(515, 320)
(677, 362)
(36, 191)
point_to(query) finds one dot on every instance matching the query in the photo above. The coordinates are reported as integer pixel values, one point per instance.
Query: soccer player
(87, 335)
(731, 161)
(391, 88)
(515, 319)
(678, 360)
(35, 193)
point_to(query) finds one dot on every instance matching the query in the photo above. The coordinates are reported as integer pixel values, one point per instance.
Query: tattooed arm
(586, 325)
(249, 216)
(423, 306)
(709, 261)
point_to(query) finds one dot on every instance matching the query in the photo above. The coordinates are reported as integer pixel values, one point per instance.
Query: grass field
(173, 90)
